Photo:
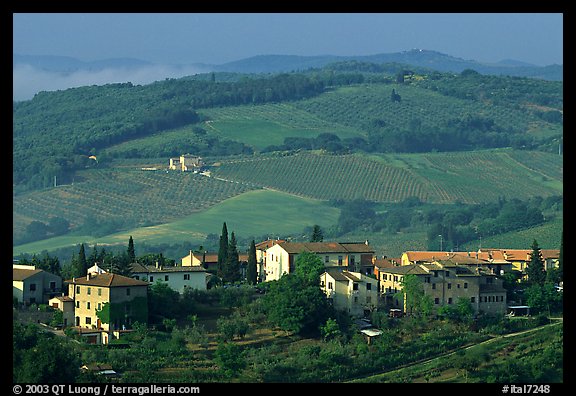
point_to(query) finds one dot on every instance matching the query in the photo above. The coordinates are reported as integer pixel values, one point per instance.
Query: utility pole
(441, 243)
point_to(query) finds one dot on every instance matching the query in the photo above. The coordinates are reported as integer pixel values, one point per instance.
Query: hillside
(350, 130)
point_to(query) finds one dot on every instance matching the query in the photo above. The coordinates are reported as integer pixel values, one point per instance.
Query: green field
(254, 213)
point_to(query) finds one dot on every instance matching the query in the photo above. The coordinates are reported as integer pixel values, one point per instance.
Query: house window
(77, 304)
(427, 279)
(186, 276)
(354, 286)
(99, 291)
(151, 279)
(458, 285)
(472, 299)
(368, 286)
(447, 274)
(88, 320)
(88, 305)
(395, 278)
(434, 286)
(166, 278)
(89, 291)
(32, 286)
(128, 291)
(339, 260)
(352, 260)
(449, 300)
(77, 289)
(465, 285)
(52, 286)
(99, 306)
(449, 285)
(326, 259)
(436, 301)
(329, 285)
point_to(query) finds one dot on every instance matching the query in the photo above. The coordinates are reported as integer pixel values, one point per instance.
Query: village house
(209, 261)
(178, 278)
(446, 282)
(106, 302)
(34, 286)
(350, 256)
(186, 162)
(352, 292)
(261, 248)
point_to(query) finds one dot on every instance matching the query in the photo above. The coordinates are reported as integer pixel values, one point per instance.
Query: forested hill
(342, 107)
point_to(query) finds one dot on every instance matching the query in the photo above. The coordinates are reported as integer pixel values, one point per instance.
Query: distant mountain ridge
(285, 63)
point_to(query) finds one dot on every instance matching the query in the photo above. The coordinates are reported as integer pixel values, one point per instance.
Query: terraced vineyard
(137, 197)
(354, 106)
(468, 177)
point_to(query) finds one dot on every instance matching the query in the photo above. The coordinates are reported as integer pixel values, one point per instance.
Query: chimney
(88, 276)
(157, 265)
(366, 242)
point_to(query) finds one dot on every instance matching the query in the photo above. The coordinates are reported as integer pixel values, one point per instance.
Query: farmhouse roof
(325, 247)
(137, 268)
(107, 280)
(19, 274)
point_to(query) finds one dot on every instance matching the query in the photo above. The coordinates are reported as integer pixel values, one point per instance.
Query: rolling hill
(328, 134)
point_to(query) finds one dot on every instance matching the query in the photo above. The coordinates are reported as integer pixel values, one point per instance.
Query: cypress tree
(231, 270)
(222, 251)
(82, 263)
(535, 268)
(131, 251)
(251, 269)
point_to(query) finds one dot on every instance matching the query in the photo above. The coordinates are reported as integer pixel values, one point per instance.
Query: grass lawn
(254, 213)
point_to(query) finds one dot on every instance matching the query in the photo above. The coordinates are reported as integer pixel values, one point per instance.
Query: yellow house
(108, 301)
(352, 292)
(445, 283)
(186, 162)
(351, 256)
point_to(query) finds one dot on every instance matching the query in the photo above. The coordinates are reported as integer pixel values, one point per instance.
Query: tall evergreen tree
(222, 251)
(231, 270)
(317, 234)
(131, 251)
(123, 264)
(82, 263)
(251, 269)
(535, 268)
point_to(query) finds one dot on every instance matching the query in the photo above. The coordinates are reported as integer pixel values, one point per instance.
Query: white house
(178, 277)
(352, 292)
(350, 256)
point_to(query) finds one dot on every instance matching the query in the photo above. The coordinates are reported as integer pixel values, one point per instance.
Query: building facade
(352, 292)
(177, 277)
(281, 257)
(34, 286)
(108, 301)
(445, 283)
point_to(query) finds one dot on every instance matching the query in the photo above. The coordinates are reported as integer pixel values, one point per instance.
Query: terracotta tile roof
(384, 263)
(343, 276)
(108, 280)
(325, 247)
(21, 274)
(428, 256)
(405, 269)
(138, 268)
(268, 244)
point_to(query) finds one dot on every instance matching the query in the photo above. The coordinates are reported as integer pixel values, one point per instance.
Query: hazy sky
(535, 38)
(168, 39)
